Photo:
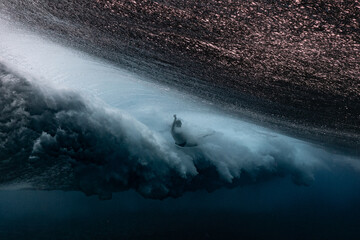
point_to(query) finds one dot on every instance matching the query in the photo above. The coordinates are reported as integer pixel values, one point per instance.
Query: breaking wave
(73, 122)
(59, 139)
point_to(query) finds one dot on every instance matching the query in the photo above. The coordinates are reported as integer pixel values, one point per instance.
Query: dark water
(296, 63)
(328, 209)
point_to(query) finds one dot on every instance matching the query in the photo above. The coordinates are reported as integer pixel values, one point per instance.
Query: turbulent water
(64, 139)
(267, 91)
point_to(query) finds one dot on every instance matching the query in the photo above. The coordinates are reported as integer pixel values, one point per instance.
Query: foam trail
(72, 122)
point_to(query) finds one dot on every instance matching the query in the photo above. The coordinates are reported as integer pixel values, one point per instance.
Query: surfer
(177, 132)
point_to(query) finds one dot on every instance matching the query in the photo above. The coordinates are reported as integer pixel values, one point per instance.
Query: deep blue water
(329, 209)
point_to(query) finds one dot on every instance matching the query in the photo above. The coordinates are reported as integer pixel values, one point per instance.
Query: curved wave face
(72, 122)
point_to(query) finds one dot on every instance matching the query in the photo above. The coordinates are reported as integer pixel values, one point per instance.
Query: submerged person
(184, 138)
(178, 133)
